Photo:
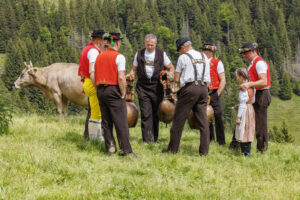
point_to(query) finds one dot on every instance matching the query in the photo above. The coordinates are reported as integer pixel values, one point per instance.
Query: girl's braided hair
(243, 72)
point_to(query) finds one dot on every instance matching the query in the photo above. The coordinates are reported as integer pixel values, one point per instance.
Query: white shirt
(92, 56)
(185, 67)
(261, 67)
(150, 57)
(121, 62)
(243, 98)
(220, 67)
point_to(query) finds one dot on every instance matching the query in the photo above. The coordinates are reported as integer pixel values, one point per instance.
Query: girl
(245, 122)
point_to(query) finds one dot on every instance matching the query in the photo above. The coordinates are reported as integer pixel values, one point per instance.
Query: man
(147, 64)
(192, 71)
(86, 71)
(110, 68)
(218, 82)
(259, 72)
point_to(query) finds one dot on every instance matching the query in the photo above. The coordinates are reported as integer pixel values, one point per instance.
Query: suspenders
(194, 62)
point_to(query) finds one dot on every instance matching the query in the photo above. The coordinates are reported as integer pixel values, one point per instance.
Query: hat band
(209, 47)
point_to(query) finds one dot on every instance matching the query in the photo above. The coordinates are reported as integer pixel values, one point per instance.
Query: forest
(46, 32)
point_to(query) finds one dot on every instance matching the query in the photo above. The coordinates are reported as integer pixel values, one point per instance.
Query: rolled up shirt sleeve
(261, 67)
(121, 62)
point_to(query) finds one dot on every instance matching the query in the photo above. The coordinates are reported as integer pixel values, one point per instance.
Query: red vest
(106, 69)
(214, 76)
(254, 76)
(83, 70)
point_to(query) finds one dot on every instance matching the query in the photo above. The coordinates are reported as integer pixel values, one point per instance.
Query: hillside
(44, 158)
(286, 110)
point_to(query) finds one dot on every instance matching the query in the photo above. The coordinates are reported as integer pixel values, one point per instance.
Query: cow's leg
(65, 106)
(58, 103)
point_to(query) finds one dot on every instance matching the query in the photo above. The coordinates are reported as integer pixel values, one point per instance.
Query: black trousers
(114, 112)
(262, 102)
(190, 97)
(150, 96)
(216, 103)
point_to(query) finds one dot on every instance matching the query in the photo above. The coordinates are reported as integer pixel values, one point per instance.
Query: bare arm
(122, 83)
(92, 73)
(133, 71)
(222, 83)
(260, 83)
(171, 68)
(177, 77)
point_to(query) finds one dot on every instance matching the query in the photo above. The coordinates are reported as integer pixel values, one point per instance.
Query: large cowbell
(192, 120)
(132, 114)
(166, 111)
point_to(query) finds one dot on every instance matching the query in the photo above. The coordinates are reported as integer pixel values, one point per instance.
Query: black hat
(97, 33)
(181, 41)
(248, 46)
(208, 46)
(113, 36)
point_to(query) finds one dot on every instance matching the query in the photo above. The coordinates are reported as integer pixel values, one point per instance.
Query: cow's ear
(33, 72)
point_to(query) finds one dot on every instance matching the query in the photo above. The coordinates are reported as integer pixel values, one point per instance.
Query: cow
(58, 82)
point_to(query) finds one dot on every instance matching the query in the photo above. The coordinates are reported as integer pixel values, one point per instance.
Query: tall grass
(44, 158)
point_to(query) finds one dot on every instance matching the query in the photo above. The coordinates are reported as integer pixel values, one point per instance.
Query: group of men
(199, 74)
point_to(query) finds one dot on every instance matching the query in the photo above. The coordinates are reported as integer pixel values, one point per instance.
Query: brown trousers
(114, 112)
(190, 97)
(216, 103)
(150, 96)
(262, 101)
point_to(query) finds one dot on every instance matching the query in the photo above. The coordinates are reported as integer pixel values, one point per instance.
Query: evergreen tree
(285, 87)
(274, 80)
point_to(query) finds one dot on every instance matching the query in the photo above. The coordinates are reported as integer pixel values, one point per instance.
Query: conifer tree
(285, 87)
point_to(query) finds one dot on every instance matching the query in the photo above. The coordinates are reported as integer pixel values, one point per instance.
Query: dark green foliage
(55, 31)
(5, 114)
(281, 135)
(285, 87)
(296, 88)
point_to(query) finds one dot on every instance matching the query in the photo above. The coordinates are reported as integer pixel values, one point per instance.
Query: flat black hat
(113, 35)
(248, 46)
(97, 33)
(181, 41)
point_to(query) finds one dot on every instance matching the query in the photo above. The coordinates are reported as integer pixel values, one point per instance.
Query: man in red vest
(110, 69)
(259, 72)
(217, 84)
(86, 72)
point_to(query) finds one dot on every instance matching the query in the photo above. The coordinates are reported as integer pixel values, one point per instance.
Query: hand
(238, 121)
(236, 106)
(130, 77)
(244, 86)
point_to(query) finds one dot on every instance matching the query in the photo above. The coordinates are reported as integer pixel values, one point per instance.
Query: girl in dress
(245, 122)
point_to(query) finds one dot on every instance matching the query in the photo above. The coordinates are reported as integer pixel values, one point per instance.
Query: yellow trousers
(90, 91)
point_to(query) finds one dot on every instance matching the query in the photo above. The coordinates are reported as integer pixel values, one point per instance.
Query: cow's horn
(30, 63)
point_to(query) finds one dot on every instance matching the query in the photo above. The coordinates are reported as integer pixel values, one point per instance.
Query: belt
(212, 91)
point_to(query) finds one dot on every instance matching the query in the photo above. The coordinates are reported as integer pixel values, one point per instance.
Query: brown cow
(59, 82)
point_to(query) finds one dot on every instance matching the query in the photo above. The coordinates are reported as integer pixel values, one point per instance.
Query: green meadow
(286, 110)
(44, 158)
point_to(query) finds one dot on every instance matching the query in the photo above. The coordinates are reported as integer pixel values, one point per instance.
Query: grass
(286, 110)
(44, 158)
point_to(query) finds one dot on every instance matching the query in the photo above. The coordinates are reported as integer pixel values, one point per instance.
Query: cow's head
(27, 76)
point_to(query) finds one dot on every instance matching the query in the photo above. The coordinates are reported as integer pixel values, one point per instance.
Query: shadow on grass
(82, 144)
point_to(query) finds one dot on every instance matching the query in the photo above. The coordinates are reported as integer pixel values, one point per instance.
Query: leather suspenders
(194, 62)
